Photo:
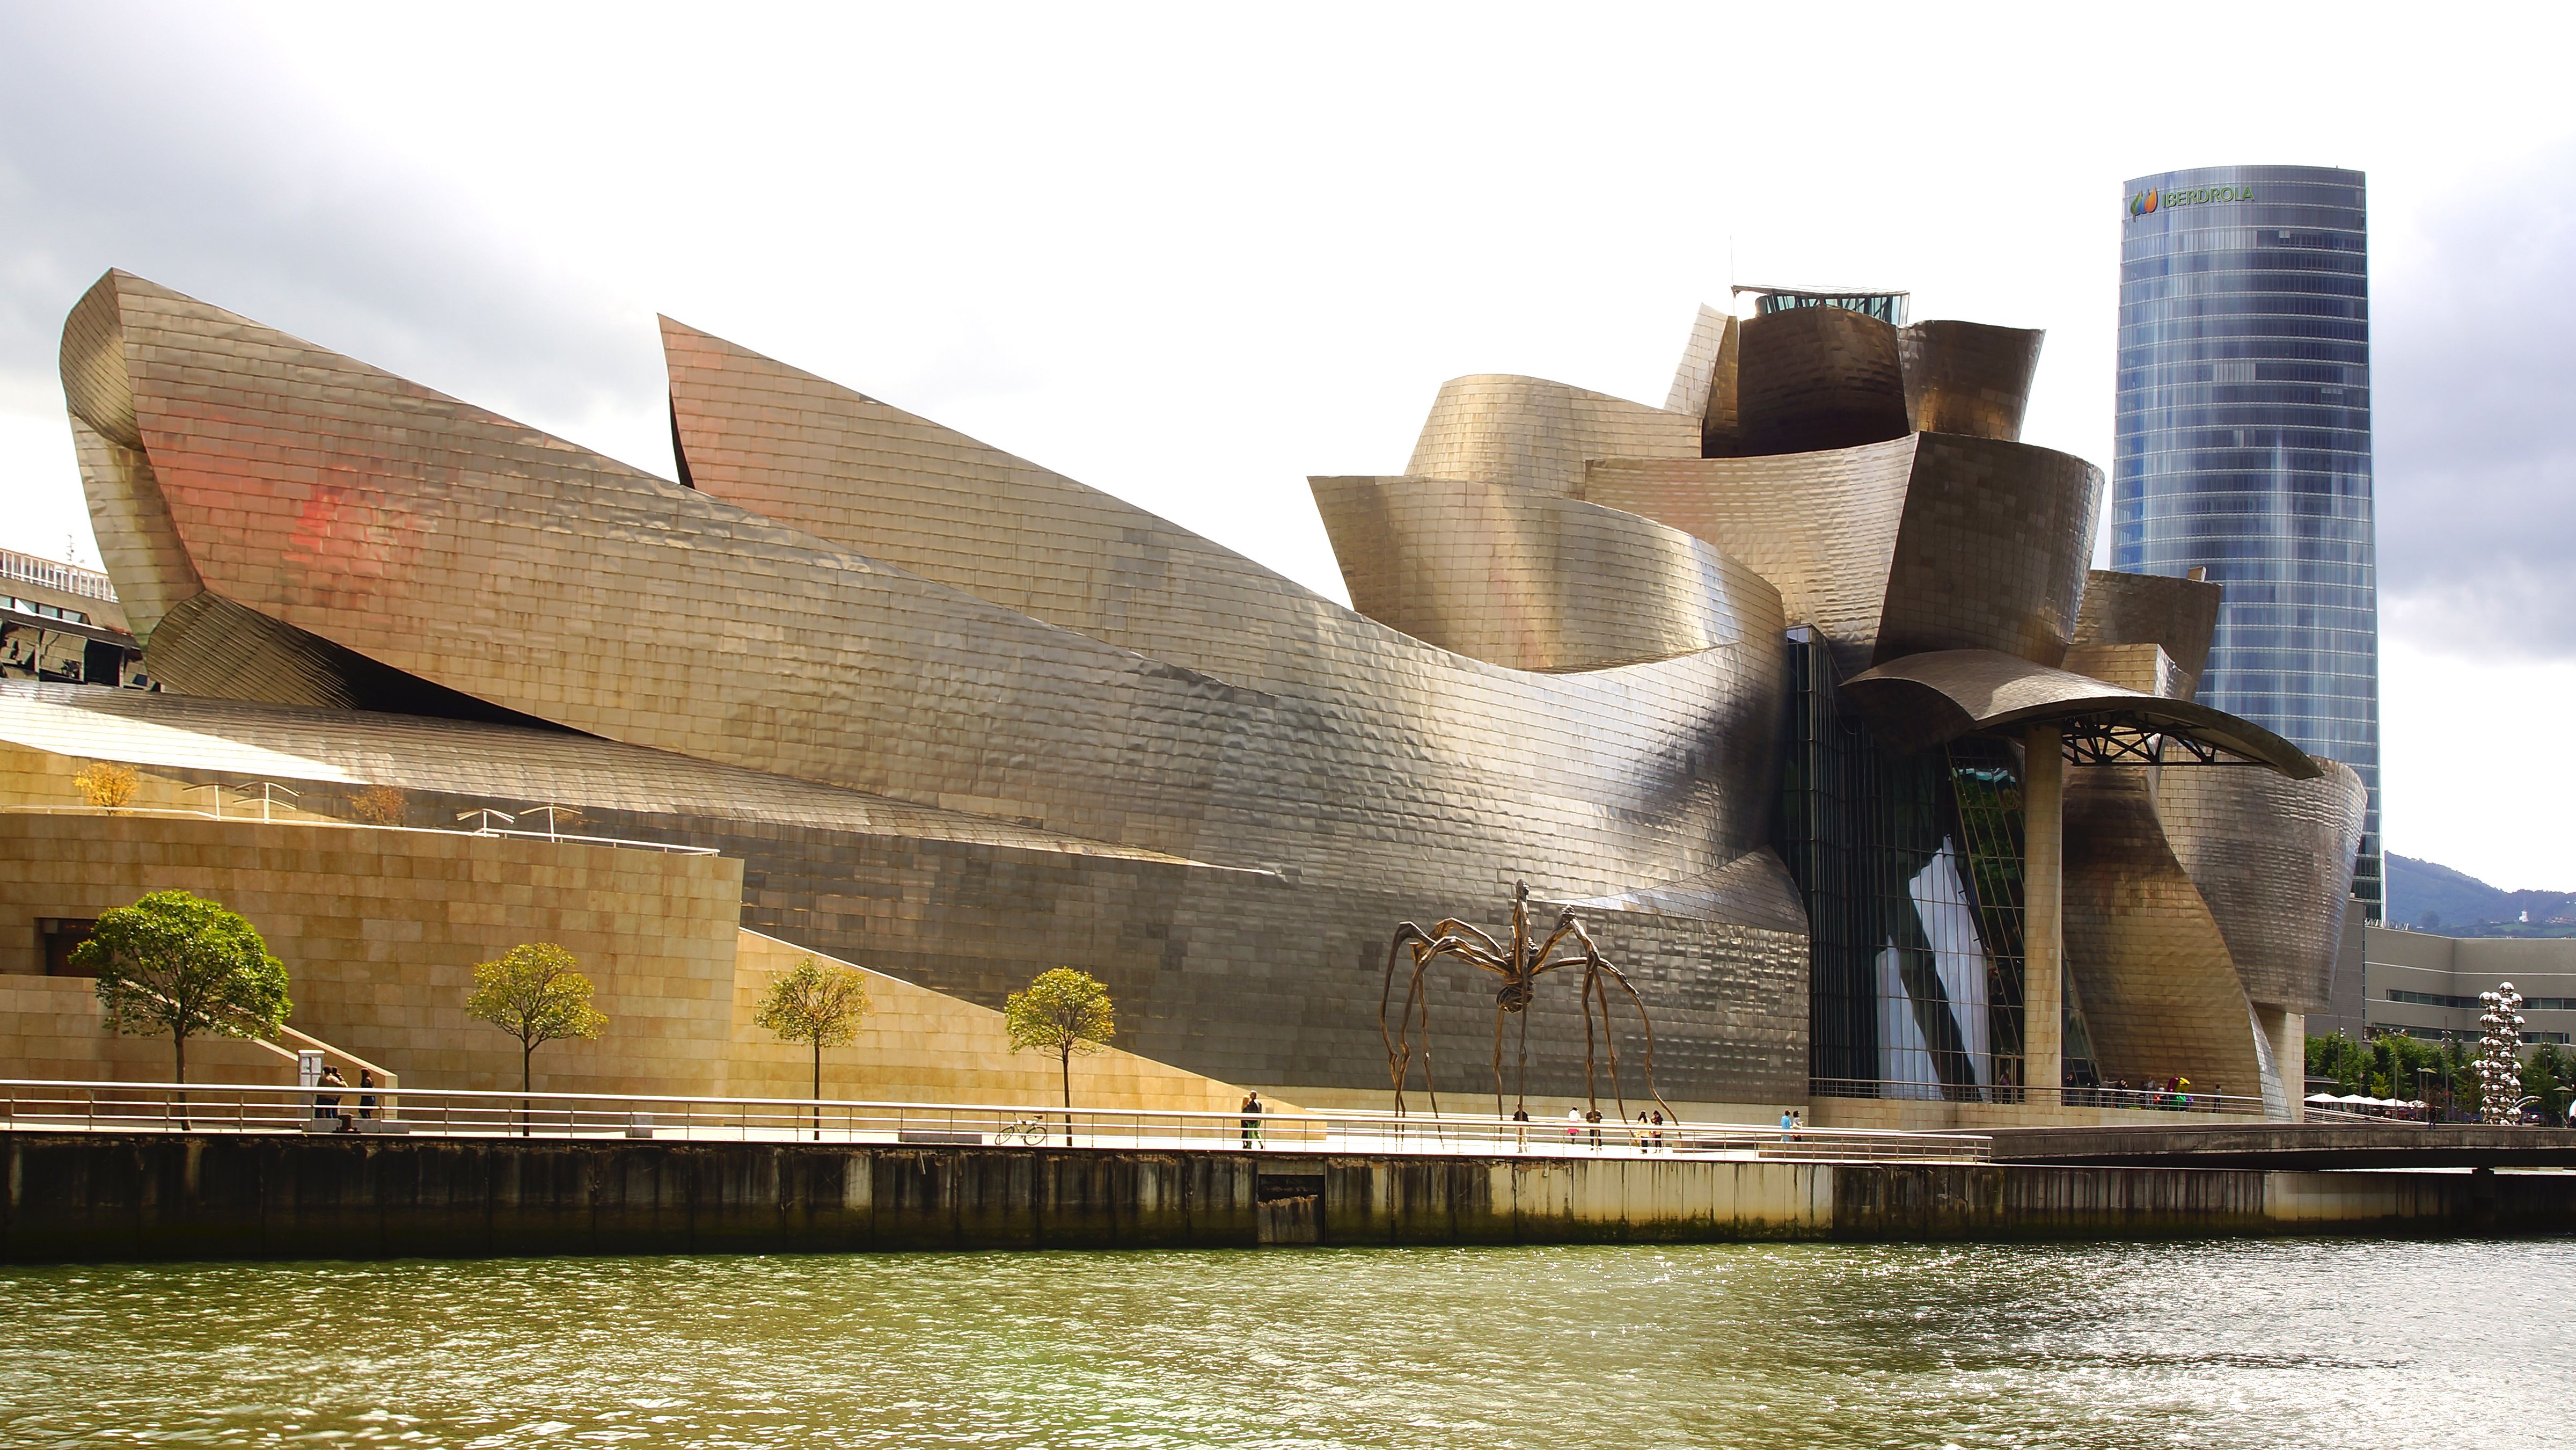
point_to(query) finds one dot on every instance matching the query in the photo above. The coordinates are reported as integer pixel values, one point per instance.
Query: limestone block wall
(43, 779)
(381, 929)
(917, 1045)
(50, 1027)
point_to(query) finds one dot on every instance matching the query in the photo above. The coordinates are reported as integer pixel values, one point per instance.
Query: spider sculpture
(1520, 966)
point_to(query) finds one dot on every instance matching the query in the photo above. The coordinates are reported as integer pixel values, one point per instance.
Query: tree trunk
(527, 1050)
(179, 1069)
(1065, 1059)
(818, 1089)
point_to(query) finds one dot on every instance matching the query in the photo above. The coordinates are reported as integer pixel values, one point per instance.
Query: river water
(2263, 1343)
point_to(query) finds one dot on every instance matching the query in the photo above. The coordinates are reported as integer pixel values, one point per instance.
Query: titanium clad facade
(963, 718)
(2244, 444)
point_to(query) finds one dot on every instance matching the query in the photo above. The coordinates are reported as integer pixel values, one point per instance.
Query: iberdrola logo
(2142, 203)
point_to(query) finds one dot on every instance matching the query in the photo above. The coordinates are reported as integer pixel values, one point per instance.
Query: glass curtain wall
(2244, 444)
(1911, 869)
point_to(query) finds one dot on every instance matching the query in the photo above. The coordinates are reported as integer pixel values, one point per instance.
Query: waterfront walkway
(91, 1107)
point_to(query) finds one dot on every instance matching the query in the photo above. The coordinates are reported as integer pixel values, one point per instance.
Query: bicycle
(1029, 1131)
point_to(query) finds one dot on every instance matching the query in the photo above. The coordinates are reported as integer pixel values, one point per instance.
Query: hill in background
(2436, 898)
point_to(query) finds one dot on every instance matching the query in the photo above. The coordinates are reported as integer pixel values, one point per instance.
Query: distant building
(2244, 444)
(2426, 987)
(61, 622)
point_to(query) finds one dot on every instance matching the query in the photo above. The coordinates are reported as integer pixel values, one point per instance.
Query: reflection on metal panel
(1820, 526)
(1536, 434)
(2159, 992)
(1813, 378)
(1968, 378)
(1535, 581)
(864, 475)
(2273, 858)
(2170, 611)
(1991, 551)
(1922, 700)
(361, 535)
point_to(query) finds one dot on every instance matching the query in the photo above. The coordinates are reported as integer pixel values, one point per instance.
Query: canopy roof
(1923, 700)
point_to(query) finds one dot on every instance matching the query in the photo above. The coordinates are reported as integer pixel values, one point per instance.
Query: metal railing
(315, 818)
(55, 574)
(2140, 1099)
(65, 1106)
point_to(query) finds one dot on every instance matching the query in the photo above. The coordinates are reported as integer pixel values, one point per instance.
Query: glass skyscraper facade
(2244, 444)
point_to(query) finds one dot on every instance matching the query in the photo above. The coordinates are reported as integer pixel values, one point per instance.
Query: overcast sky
(1193, 255)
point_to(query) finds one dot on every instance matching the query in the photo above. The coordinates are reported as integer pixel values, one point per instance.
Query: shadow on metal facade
(964, 718)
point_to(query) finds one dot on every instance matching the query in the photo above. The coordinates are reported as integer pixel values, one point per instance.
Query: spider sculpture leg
(1399, 1047)
(1643, 1020)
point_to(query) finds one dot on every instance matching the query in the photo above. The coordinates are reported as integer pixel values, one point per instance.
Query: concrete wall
(146, 1196)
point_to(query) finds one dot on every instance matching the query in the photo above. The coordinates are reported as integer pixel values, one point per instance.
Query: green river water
(2270, 1343)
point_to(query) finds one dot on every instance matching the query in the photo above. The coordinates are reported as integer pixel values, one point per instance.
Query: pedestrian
(1252, 1119)
(1520, 1128)
(366, 1098)
(1573, 1127)
(1593, 1116)
(1788, 1123)
(327, 1105)
(1658, 1135)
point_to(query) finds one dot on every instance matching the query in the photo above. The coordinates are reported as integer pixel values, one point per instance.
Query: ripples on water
(2324, 1343)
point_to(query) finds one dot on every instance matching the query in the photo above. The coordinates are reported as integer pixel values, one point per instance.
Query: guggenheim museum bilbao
(1796, 688)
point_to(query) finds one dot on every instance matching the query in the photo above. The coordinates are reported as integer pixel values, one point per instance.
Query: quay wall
(106, 1196)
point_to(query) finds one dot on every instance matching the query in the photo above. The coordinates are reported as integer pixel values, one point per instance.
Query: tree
(381, 805)
(2547, 1077)
(535, 994)
(180, 964)
(1064, 1012)
(106, 784)
(816, 1004)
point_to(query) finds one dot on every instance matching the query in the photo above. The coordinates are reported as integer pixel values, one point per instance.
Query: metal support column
(2043, 912)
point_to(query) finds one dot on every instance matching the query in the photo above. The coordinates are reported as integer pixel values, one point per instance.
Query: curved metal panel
(1536, 434)
(1813, 378)
(2149, 962)
(1535, 581)
(1243, 971)
(136, 544)
(862, 474)
(500, 563)
(94, 366)
(1821, 527)
(2273, 858)
(1992, 549)
(1754, 888)
(2179, 614)
(1922, 543)
(1705, 385)
(1969, 378)
(341, 515)
(2145, 668)
(1922, 700)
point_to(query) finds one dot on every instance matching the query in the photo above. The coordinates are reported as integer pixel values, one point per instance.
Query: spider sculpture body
(1519, 966)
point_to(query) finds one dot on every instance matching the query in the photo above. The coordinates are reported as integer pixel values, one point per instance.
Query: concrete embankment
(162, 1196)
